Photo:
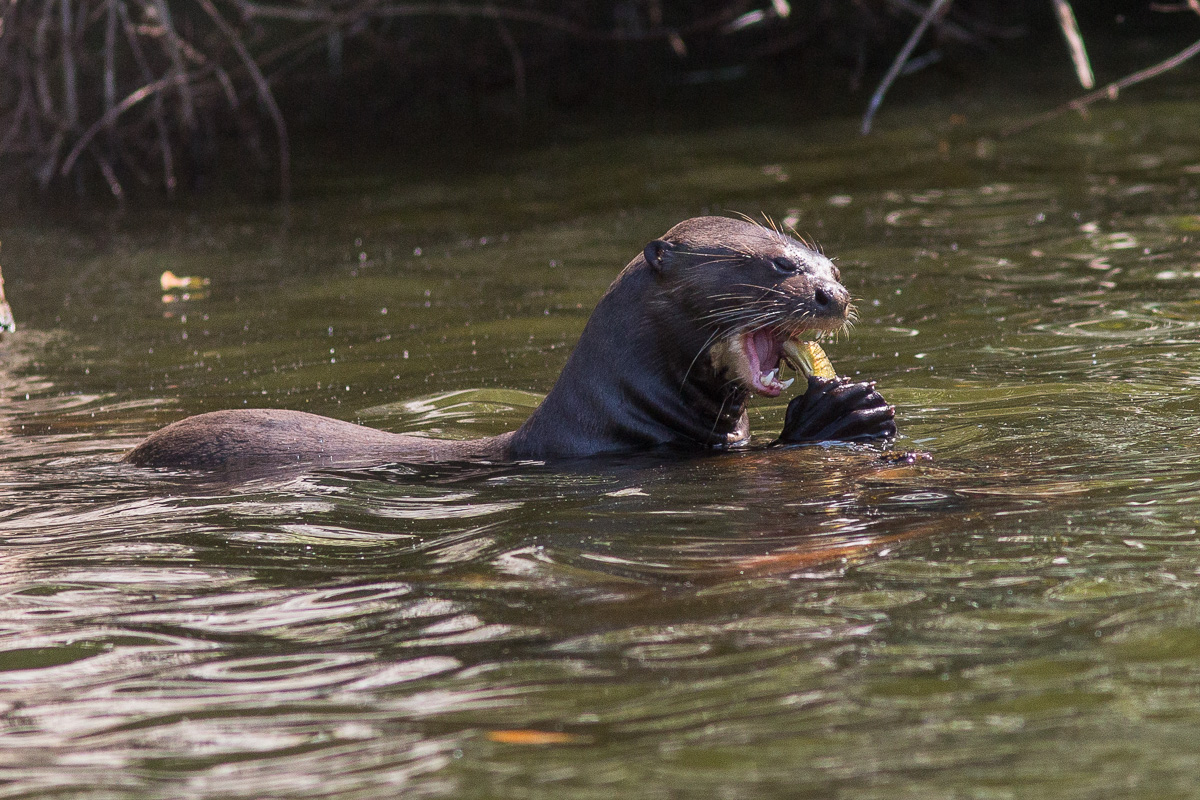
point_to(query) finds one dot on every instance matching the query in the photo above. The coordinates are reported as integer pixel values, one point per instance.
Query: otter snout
(831, 298)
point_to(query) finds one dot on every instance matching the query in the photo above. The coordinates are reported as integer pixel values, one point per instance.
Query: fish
(808, 358)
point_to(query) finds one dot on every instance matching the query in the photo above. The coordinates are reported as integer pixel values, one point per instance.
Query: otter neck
(634, 381)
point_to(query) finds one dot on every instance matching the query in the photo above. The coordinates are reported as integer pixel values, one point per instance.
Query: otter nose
(831, 298)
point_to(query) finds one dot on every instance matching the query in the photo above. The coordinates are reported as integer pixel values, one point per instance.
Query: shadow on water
(1017, 617)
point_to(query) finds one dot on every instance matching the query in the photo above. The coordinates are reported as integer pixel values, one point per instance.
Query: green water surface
(1018, 618)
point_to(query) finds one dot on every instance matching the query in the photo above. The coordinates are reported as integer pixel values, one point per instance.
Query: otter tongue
(763, 352)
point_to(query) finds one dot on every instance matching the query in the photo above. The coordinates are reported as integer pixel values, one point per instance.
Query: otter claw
(838, 409)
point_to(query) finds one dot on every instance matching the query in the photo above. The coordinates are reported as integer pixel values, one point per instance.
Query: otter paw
(838, 409)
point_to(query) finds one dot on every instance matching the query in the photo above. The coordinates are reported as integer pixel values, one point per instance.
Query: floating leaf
(528, 736)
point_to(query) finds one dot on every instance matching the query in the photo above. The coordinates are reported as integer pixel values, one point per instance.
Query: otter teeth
(771, 379)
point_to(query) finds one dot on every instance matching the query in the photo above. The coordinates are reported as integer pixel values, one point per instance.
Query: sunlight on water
(1015, 618)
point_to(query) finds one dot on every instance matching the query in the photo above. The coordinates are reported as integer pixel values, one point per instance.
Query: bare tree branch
(1079, 56)
(1109, 92)
(934, 11)
(264, 95)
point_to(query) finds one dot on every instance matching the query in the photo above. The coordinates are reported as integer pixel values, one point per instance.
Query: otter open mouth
(754, 358)
(763, 351)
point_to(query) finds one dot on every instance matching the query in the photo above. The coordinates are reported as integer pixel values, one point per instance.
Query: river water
(1016, 618)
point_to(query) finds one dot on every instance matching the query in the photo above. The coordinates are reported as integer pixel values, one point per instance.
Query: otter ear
(656, 254)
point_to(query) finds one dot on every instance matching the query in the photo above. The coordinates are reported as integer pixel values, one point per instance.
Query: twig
(264, 95)
(1079, 56)
(188, 108)
(23, 106)
(226, 85)
(877, 99)
(110, 55)
(296, 44)
(39, 51)
(120, 108)
(518, 63)
(1110, 91)
(5, 15)
(70, 90)
(950, 29)
(110, 176)
(45, 173)
(1187, 5)
(253, 10)
(158, 115)
(451, 8)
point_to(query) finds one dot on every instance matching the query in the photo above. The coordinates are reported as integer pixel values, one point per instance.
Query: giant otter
(687, 333)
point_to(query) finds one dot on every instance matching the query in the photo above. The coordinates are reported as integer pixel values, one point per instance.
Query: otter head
(748, 291)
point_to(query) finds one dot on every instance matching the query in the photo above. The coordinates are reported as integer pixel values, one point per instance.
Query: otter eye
(785, 265)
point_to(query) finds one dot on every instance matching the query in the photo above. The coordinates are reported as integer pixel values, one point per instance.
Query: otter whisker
(716, 261)
(765, 289)
(741, 300)
(720, 411)
(851, 314)
(737, 301)
(728, 255)
(770, 222)
(733, 315)
(711, 338)
(716, 257)
(732, 324)
(766, 305)
(740, 305)
(770, 226)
